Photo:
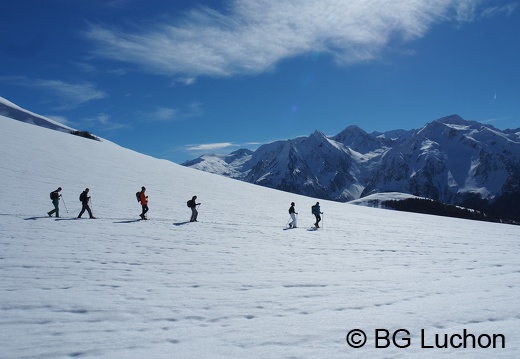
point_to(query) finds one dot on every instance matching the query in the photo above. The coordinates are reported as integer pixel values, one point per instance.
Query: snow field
(234, 284)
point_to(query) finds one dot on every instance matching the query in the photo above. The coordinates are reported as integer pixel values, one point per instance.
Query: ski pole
(63, 199)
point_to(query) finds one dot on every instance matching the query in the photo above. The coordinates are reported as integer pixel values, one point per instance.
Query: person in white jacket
(292, 213)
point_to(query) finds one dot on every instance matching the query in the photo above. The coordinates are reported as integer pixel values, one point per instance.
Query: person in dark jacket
(316, 210)
(292, 213)
(192, 203)
(85, 198)
(55, 197)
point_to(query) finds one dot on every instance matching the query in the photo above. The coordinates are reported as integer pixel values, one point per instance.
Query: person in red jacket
(144, 203)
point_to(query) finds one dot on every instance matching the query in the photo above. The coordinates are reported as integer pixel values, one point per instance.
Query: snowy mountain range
(449, 160)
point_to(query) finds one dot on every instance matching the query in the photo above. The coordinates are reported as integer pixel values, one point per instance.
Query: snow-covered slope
(234, 285)
(15, 112)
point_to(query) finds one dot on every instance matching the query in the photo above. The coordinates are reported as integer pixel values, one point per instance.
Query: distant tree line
(85, 134)
(427, 206)
(504, 208)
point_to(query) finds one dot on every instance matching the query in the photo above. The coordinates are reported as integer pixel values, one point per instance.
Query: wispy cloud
(104, 122)
(210, 146)
(506, 9)
(72, 94)
(251, 37)
(467, 10)
(66, 95)
(498, 119)
(227, 146)
(167, 114)
(164, 114)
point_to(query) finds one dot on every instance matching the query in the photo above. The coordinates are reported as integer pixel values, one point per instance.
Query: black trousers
(84, 208)
(145, 209)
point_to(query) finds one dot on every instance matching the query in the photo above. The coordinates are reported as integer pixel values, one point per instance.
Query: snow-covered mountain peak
(452, 120)
(449, 159)
(317, 136)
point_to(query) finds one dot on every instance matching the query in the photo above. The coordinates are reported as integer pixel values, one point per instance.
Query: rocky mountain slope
(449, 160)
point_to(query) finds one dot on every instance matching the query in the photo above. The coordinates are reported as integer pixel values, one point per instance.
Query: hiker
(317, 213)
(85, 198)
(293, 214)
(55, 197)
(144, 202)
(193, 205)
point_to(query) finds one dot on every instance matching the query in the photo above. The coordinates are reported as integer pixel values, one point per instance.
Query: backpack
(188, 203)
(138, 196)
(313, 209)
(83, 197)
(53, 195)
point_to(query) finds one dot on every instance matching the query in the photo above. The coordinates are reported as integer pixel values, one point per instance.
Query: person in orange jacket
(144, 202)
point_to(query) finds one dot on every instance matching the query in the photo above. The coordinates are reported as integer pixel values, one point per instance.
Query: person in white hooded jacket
(292, 213)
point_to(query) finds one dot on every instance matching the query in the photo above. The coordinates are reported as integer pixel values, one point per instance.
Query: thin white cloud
(229, 146)
(75, 94)
(210, 146)
(499, 119)
(67, 95)
(103, 122)
(166, 114)
(467, 10)
(506, 9)
(103, 118)
(251, 37)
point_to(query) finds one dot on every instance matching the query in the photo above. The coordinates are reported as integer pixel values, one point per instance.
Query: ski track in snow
(234, 285)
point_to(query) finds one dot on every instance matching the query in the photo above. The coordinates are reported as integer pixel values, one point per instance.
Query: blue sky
(174, 79)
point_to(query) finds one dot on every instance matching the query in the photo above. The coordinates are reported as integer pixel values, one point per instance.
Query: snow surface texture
(234, 285)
